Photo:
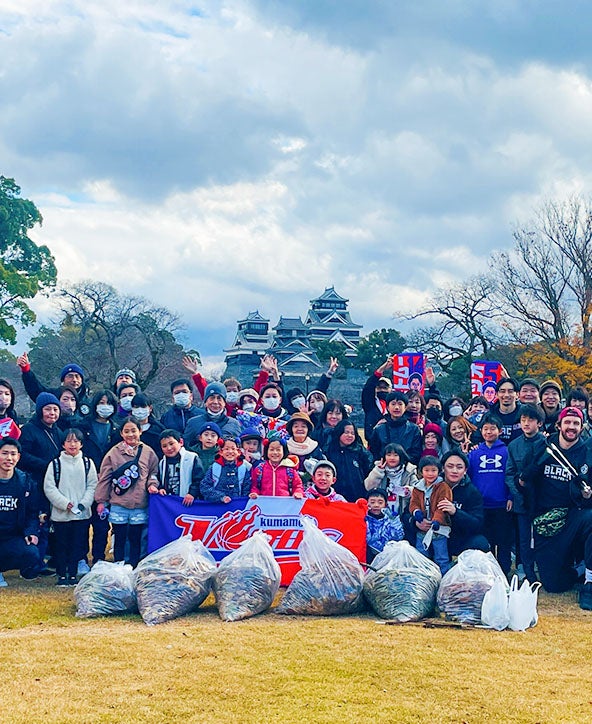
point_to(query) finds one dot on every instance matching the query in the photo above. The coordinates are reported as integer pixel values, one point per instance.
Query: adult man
(214, 410)
(466, 508)
(557, 486)
(507, 409)
(183, 409)
(528, 392)
(396, 428)
(18, 515)
(551, 404)
(374, 395)
(71, 375)
(124, 376)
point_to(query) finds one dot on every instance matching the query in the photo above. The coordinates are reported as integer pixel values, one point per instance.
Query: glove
(435, 525)
(418, 515)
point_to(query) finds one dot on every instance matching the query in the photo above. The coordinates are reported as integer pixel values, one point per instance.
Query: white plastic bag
(330, 582)
(462, 589)
(494, 609)
(404, 584)
(107, 589)
(174, 580)
(247, 580)
(522, 605)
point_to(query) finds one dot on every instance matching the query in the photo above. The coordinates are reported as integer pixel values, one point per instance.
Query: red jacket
(281, 480)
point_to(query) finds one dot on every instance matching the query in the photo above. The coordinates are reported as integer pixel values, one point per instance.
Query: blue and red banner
(408, 372)
(222, 528)
(484, 377)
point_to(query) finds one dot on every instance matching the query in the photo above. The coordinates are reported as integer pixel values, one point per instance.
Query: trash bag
(494, 609)
(404, 584)
(173, 580)
(247, 580)
(462, 589)
(107, 589)
(522, 605)
(331, 579)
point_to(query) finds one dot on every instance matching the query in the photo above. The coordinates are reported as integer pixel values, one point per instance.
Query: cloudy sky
(220, 156)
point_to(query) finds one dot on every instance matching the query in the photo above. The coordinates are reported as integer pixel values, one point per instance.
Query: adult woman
(465, 509)
(149, 425)
(453, 407)
(458, 434)
(352, 461)
(128, 469)
(69, 408)
(315, 402)
(333, 413)
(100, 434)
(416, 408)
(8, 419)
(270, 401)
(299, 427)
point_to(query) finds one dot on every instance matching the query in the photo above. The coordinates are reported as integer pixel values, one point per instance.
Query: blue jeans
(438, 548)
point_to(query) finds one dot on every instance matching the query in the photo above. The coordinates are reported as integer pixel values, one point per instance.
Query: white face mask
(140, 413)
(271, 403)
(181, 399)
(105, 411)
(249, 407)
(455, 410)
(232, 397)
(126, 403)
(297, 402)
(317, 406)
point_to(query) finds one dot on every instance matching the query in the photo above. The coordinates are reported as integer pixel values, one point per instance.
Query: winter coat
(24, 490)
(520, 451)
(353, 465)
(40, 445)
(228, 425)
(401, 431)
(428, 504)
(224, 479)
(92, 447)
(191, 473)
(176, 418)
(137, 496)
(75, 486)
(282, 479)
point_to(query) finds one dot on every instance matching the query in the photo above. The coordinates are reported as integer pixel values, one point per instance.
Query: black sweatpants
(15, 553)
(69, 540)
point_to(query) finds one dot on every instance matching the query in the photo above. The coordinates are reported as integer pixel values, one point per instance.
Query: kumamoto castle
(290, 340)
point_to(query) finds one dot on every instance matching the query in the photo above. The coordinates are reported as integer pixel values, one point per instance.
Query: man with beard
(557, 487)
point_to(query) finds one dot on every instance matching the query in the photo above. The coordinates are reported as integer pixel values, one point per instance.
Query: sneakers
(62, 582)
(3, 583)
(72, 581)
(586, 597)
(83, 568)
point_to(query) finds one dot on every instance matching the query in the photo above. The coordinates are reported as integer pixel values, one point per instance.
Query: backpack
(289, 473)
(57, 469)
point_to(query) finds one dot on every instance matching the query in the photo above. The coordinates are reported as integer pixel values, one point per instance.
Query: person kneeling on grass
(19, 523)
(69, 485)
(433, 525)
(180, 471)
(382, 526)
(228, 476)
(324, 475)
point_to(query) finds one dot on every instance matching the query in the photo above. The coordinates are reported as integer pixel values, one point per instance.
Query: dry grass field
(56, 668)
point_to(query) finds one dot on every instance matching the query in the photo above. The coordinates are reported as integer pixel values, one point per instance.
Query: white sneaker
(3, 583)
(83, 568)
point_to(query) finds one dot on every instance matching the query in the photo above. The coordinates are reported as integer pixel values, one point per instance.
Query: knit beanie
(44, 399)
(125, 371)
(215, 388)
(71, 368)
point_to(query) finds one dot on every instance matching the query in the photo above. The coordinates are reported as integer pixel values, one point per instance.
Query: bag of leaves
(462, 589)
(247, 580)
(174, 580)
(403, 584)
(107, 589)
(330, 580)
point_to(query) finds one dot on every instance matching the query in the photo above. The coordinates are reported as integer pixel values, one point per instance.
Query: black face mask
(381, 395)
(434, 414)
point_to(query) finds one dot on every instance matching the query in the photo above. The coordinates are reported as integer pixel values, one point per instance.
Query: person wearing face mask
(374, 394)
(315, 403)
(125, 395)
(71, 375)
(248, 399)
(233, 388)
(8, 418)
(214, 410)
(149, 425)
(295, 400)
(182, 409)
(69, 409)
(453, 407)
(433, 410)
(100, 435)
(270, 402)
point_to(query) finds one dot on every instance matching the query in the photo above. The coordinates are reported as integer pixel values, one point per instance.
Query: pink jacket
(281, 480)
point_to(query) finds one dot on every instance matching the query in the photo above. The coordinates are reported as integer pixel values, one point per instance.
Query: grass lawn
(56, 668)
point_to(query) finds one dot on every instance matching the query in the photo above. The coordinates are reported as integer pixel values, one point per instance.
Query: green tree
(376, 347)
(25, 268)
(326, 350)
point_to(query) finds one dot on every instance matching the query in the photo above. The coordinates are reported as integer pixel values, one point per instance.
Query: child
(323, 475)
(432, 525)
(278, 475)
(180, 471)
(69, 485)
(228, 476)
(487, 470)
(251, 441)
(206, 444)
(392, 474)
(381, 525)
(519, 451)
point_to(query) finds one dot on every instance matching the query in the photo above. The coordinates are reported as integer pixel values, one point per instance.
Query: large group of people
(507, 472)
